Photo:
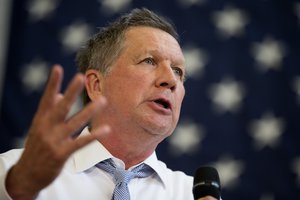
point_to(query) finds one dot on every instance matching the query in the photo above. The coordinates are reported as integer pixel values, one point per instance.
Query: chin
(161, 130)
(157, 125)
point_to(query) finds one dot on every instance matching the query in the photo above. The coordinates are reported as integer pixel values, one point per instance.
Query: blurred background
(241, 113)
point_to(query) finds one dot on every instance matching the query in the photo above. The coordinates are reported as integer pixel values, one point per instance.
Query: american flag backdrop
(241, 112)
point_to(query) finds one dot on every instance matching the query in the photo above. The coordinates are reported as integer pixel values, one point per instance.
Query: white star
(34, 75)
(229, 171)
(296, 87)
(189, 3)
(110, 7)
(266, 131)
(196, 59)
(296, 169)
(75, 35)
(268, 54)
(227, 95)
(41, 9)
(230, 22)
(186, 138)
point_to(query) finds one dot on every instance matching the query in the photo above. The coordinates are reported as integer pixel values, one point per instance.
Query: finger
(101, 131)
(84, 140)
(72, 92)
(58, 98)
(52, 88)
(83, 117)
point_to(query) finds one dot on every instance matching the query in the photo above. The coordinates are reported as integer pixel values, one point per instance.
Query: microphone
(206, 182)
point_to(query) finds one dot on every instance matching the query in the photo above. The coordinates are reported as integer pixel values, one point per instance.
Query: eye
(149, 61)
(178, 71)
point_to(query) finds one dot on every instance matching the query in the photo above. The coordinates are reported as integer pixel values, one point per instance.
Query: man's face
(144, 88)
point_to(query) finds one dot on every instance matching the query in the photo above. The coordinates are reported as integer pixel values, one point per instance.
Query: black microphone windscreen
(206, 182)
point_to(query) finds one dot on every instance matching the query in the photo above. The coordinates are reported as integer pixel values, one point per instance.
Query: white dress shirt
(80, 179)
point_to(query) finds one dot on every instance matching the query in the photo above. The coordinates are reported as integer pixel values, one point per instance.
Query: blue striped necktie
(122, 177)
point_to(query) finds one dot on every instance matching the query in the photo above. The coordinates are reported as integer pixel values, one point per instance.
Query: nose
(166, 77)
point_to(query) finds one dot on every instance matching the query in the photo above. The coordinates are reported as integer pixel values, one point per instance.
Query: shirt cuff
(3, 192)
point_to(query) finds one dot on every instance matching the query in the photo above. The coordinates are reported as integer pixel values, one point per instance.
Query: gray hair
(103, 49)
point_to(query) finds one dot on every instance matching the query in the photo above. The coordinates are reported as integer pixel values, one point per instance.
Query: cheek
(124, 90)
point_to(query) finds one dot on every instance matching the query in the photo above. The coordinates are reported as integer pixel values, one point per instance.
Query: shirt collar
(155, 164)
(93, 153)
(88, 156)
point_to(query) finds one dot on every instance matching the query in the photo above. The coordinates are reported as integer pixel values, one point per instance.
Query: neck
(131, 149)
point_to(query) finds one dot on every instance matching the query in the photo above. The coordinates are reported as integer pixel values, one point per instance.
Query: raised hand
(50, 139)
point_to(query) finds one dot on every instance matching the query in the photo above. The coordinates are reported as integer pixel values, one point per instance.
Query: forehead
(152, 40)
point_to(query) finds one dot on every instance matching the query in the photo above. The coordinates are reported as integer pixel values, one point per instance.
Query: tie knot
(122, 175)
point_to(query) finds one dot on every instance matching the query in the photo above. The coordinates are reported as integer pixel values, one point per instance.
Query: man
(133, 73)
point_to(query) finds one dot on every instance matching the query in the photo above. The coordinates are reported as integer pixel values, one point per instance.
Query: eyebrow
(175, 61)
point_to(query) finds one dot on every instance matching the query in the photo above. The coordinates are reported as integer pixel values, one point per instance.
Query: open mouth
(163, 103)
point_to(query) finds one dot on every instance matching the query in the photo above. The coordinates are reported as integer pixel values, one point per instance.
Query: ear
(93, 84)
